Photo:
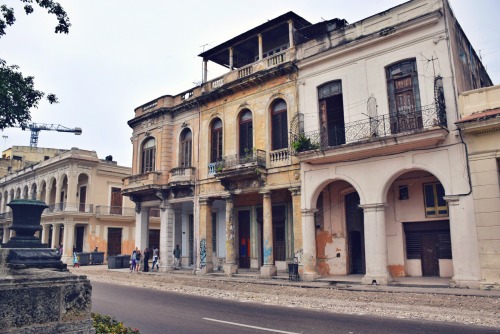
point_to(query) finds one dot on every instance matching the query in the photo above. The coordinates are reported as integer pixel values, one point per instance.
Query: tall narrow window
(246, 136)
(331, 112)
(279, 125)
(216, 132)
(435, 204)
(148, 155)
(186, 148)
(404, 96)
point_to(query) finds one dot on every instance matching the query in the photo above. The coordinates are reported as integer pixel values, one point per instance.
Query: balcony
(181, 175)
(240, 172)
(385, 134)
(101, 210)
(141, 182)
(69, 207)
(238, 75)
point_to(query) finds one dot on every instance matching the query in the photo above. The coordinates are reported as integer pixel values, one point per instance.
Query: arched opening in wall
(25, 192)
(64, 193)
(185, 148)
(18, 193)
(33, 191)
(52, 194)
(81, 194)
(43, 192)
(418, 227)
(340, 240)
(12, 195)
(245, 133)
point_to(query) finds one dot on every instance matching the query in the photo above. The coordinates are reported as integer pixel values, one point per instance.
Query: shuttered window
(186, 148)
(148, 155)
(216, 149)
(414, 232)
(246, 133)
(279, 125)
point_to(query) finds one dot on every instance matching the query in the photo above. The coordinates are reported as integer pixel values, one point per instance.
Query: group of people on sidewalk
(135, 259)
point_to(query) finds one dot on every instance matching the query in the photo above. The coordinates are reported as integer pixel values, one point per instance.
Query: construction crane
(35, 129)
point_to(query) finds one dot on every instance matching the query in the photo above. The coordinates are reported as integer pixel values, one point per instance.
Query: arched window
(279, 127)
(246, 129)
(216, 134)
(148, 154)
(186, 148)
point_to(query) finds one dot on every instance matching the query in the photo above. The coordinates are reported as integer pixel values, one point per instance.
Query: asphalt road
(153, 311)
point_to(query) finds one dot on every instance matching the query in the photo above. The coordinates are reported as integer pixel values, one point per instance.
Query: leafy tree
(17, 93)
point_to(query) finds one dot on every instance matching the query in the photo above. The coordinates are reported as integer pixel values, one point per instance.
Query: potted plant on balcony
(303, 143)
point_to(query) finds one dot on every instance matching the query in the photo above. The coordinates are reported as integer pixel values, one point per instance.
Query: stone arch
(33, 191)
(26, 192)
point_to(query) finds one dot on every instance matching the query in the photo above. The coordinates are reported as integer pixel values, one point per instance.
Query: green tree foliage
(17, 93)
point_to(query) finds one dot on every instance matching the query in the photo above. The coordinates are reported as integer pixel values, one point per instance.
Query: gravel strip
(483, 311)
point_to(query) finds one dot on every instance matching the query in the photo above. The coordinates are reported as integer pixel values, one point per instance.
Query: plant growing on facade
(104, 324)
(303, 143)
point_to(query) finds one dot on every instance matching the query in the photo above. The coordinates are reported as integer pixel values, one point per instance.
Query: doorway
(244, 238)
(331, 108)
(80, 232)
(191, 240)
(83, 198)
(114, 241)
(356, 234)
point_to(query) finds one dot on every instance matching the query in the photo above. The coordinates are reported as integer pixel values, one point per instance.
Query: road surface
(153, 311)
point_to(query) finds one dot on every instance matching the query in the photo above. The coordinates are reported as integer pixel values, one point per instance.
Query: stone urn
(26, 215)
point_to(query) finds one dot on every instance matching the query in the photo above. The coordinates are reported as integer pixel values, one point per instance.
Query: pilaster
(375, 245)
(308, 259)
(205, 264)
(230, 267)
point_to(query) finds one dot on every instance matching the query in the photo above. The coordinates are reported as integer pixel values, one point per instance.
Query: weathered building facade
(332, 143)
(480, 129)
(385, 188)
(86, 208)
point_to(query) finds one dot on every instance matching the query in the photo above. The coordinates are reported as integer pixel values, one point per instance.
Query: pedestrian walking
(177, 257)
(76, 260)
(137, 260)
(146, 260)
(156, 258)
(133, 259)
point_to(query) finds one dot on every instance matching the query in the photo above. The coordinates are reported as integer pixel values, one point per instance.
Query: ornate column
(308, 260)
(141, 226)
(68, 242)
(375, 244)
(230, 267)
(57, 206)
(55, 235)
(205, 264)
(72, 203)
(290, 33)
(296, 220)
(6, 234)
(261, 53)
(231, 59)
(268, 269)
(463, 233)
(166, 236)
(204, 78)
(45, 233)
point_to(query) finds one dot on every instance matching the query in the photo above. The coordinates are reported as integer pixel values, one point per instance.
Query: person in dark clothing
(146, 260)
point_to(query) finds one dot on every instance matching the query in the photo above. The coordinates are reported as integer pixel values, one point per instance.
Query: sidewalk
(421, 285)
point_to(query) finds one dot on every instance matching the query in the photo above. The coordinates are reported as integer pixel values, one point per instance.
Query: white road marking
(248, 326)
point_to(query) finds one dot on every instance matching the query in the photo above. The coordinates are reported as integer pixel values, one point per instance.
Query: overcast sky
(120, 54)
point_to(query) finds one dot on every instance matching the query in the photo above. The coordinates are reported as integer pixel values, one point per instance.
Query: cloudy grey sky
(120, 54)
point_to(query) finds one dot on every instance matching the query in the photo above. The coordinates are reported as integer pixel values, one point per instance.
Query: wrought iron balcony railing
(253, 157)
(404, 121)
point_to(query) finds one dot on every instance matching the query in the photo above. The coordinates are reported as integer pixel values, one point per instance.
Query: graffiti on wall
(203, 253)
